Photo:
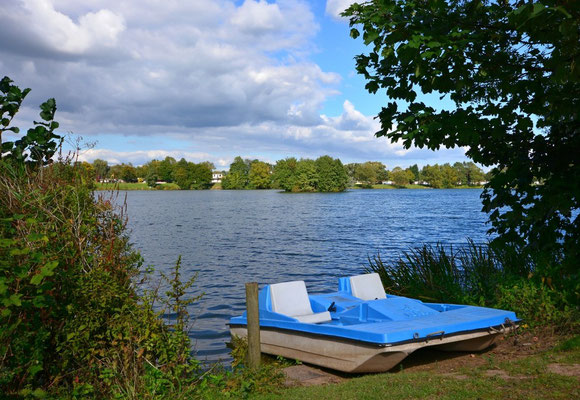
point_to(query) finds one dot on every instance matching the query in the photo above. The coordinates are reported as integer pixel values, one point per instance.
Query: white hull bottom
(354, 357)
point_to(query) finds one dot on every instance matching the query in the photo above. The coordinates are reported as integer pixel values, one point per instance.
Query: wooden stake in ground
(253, 325)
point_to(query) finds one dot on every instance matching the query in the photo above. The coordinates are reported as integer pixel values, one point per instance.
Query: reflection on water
(233, 237)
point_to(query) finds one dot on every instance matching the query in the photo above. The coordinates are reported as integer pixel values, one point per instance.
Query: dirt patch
(506, 348)
(565, 369)
(453, 375)
(306, 375)
(499, 373)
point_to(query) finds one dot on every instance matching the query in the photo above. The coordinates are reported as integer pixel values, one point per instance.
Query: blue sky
(206, 80)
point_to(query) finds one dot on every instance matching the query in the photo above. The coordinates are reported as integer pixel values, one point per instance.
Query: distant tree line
(325, 174)
(185, 174)
(436, 176)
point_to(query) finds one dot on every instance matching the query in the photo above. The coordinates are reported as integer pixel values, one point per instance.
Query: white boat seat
(367, 287)
(291, 299)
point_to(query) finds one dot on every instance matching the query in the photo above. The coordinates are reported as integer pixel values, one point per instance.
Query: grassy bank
(411, 186)
(523, 366)
(134, 186)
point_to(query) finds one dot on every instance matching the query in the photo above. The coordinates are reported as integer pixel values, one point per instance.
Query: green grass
(121, 186)
(134, 186)
(525, 378)
(167, 186)
(412, 186)
(381, 186)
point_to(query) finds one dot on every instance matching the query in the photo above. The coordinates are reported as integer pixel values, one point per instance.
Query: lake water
(233, 237)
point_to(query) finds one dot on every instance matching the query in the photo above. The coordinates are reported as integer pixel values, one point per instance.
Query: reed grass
(480, 274)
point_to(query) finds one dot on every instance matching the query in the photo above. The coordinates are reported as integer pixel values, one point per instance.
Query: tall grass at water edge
(480, 274)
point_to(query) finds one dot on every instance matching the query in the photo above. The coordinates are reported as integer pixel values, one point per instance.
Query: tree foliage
(101, 168)
(432, 175)
(331, 175)
(238, 176)
(512, 70)
(284, 174)
(259, 175)
(468, 173)
(401, 177)
(40, 142)
(325, 174)
(369, 173)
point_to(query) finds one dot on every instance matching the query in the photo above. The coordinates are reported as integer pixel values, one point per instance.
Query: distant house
(216, 177)
(387, 182)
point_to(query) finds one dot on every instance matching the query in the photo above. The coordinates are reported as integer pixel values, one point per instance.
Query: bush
(70, 316)
(71, 320)
(538, 305)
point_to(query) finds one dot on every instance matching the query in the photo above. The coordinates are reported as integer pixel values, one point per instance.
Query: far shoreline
(171, 186)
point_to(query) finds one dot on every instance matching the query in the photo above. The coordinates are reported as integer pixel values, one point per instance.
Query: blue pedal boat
(360, 328)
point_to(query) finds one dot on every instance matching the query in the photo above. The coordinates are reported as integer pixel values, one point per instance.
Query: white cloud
(351, 119)
(125, 68)
(58, 32)
(257, 17)
(335, 7)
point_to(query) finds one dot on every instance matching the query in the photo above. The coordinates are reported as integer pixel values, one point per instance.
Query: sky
(206, 80)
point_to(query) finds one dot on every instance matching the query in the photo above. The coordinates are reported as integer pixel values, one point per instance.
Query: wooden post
(253, 314)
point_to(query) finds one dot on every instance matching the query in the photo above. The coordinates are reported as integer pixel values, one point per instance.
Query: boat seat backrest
(367, 287)
(291, 299)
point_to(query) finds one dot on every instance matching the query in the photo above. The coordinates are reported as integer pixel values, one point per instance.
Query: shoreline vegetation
(99, 186)
(325, 174)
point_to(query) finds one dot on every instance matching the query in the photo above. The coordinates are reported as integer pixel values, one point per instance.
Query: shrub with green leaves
(71, 320)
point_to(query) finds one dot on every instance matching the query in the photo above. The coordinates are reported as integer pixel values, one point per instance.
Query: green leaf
(34, 237)
(39, 393)
(7, 242)
(19, 252)
(37, 279)
(537, 8)
(48, 109)
(33, 370)
(7, 146)
(370, 37)
(15, 299)
(46, 270)
(39, 302)
(418, 71)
